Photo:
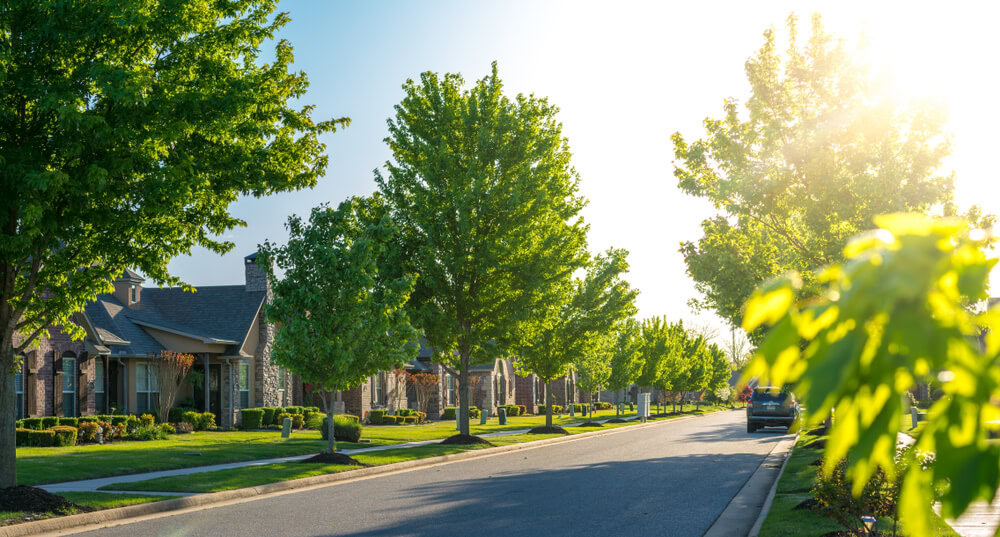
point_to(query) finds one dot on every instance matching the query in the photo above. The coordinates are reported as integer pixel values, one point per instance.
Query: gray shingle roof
(223, 313)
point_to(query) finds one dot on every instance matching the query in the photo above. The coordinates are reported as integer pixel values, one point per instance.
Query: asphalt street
(671, 479)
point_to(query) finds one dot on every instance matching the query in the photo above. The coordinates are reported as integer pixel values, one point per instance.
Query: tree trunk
(548, 404)
(8, 404)
(463, 396)
(331, 440)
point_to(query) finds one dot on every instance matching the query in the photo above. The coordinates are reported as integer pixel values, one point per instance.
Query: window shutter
(82, 384)
(57, 383)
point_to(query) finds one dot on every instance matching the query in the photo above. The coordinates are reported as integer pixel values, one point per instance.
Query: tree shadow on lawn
(677, 496)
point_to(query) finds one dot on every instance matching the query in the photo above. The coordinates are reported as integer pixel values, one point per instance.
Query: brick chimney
(128, 288)
(256, 278)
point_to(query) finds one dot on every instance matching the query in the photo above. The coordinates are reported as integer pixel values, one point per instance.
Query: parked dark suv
(771, 407)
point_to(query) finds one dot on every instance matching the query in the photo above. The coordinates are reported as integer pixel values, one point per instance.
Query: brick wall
(524, 392)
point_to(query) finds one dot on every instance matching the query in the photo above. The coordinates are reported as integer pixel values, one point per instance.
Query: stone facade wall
(230, 395)
(524, 392)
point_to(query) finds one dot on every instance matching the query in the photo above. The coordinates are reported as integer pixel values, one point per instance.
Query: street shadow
(737, 432)
(677, 496)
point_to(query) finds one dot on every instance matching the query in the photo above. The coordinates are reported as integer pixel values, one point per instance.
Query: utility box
(643, 412)
(483, 416)
(286, 427)
(502, 415)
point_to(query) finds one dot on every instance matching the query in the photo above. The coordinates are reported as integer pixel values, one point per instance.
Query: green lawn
(36, 466)
(94, 500)
(272, 473)
(795, 486)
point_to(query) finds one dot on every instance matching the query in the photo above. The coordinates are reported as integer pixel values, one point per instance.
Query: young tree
(660, 354)
(341, 321)
(424, 385)
(593, 366)
(626, 360)
(696, 373)
(589, 313)
(123, 149)
(820, 149)
(488, 207)
(721, 371)
(173, 369)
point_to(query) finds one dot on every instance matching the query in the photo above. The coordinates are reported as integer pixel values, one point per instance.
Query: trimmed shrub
(308, 409)
(147, 420)
(555, 409)
(144, 433)
(49, 422)
(298, 421)
(345, 429)
(377, 417)
(32, 423)
(176, 414)
(250, 418)
(450, 413)
(473, 412)
(206, 420)
(69, 422)
(132, 423)
(349, 417)
(314, 421)
(522, 410)
(277, 412)
(87, 432)
(21, 436)
(191, 417)
(421, 416)
(268, 417)
(64, 435)
(168, 429)
(281, 419)
(118, 419)
(405, 412)
(43, 438)
(409, 420)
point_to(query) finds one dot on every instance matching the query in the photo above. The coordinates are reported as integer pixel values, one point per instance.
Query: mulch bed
(617, 420)
(36, 501)
(465, 439)
(334, 458)
(591, 424)
(555, 429)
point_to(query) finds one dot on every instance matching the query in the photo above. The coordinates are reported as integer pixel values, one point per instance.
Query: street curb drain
(98, 519)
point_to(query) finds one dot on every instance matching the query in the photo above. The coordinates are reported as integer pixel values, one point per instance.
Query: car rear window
(770, 394)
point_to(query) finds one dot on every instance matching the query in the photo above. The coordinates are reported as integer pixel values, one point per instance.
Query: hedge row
(262, 417)
(555, 409)
(346, 428)
(514, 410)
(66, 435)
(450, 413)
(403, 416)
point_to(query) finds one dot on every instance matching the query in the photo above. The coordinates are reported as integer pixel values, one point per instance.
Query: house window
(451, 389)
(379, 390)
(501, 392)
(244, 384)
(147, 390)
(281, 384)
(133, 294)
(99, 398)
(69, 386)
(539, 391)
(19, 390)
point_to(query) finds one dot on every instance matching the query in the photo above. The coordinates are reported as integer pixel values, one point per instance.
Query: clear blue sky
(625, 74)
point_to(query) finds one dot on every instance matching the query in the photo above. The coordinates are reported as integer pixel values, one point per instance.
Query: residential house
(494, 384)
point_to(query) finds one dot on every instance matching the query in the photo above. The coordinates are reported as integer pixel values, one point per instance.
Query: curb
(736, 517)
(106, 516)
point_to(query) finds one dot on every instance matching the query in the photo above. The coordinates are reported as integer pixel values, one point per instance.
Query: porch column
(208, 399)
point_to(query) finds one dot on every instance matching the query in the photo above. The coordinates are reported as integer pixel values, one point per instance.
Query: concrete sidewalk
(92, 485)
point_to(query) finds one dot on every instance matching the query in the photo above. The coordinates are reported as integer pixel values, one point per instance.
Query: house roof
(213, 314)
(131, 276)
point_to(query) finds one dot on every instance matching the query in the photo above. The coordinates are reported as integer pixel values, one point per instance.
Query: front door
(214, 380)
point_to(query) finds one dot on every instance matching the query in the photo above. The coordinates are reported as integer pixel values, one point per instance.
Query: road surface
(670, 479)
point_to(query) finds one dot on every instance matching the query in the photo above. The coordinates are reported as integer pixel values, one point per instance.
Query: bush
(295, 410)
(512, 410)
(345, 429)
(314, 420)
(281, 418)
(21, 436)
(298, 421)
(191, 417)
(268, 417)
(49, 422)
(144, 433)
(118, 419)
(32, 423)
(835, 500)
(69, 422)
(64, 435)
(409, 420)
(473, 412)
(449, 413)
(43, 438)
(87, 432)
(522, 410)
(421, 416)
(377, 417)
(168, 429)
(250, 418)
(308, 409)
(277, 412)
(132, 423)
(176, 414)
(147, 420)
(206, 420)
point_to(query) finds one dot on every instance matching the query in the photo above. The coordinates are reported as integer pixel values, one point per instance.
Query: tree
(626, 363)
(721, 371)
(589, 313)
(821, 148)
(593, 366)
(173, 369)
(660, 353)
(696, 373)
(123, 149)
(341, 321)
(488, 208)
(424, 385)
(738, 348)
(900, 307)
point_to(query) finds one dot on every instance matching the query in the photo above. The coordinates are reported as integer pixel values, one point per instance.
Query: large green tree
(593, 366)
(819, 149)
(126, 131)
(340, 320)
(488, 207)
(626, 359)
(588, 314)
